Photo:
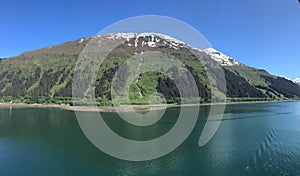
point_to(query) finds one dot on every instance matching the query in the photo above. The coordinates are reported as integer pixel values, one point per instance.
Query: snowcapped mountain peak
(121, 35)
(151, 39)
(220, 57)
(142, 35)
(296, 80)
(166, 37)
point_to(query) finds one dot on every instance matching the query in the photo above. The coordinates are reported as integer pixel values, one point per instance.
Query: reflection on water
(253, 139)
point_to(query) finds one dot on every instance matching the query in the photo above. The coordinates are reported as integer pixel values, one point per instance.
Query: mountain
(45, 75)
(223, 59)
(296, 80)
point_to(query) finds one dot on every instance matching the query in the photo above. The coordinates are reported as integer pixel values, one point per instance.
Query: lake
(253, 139)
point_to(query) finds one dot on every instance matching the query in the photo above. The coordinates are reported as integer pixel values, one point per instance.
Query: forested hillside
(45, 75)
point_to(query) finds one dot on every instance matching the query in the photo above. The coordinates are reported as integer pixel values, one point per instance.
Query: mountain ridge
(45, 75)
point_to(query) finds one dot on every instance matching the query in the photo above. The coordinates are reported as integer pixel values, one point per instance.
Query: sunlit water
(253, 139)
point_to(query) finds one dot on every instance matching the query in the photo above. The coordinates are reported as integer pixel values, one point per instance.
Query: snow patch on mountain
(147, 39)
(81, 40)
(296, 80)
(155, 37)
(220, 57)
(120, 36)
(151, 39)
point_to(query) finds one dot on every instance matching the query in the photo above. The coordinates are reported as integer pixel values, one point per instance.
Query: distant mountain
(45, 75)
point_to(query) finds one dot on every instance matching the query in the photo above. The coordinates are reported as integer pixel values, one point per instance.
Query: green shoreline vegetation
(104, 102)
(107, 106)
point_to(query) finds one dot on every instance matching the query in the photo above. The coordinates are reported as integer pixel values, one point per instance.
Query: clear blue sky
(259, 33)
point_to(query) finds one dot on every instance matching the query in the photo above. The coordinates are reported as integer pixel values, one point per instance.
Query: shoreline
(127, 108)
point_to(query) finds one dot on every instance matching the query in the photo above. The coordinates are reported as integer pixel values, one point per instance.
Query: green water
(256, 139)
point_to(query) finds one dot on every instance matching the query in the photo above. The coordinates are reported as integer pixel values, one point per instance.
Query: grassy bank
(107, 106)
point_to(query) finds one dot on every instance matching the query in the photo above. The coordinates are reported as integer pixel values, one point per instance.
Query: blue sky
(260, 33)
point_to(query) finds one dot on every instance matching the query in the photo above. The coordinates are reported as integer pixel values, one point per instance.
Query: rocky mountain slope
(45, 75)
